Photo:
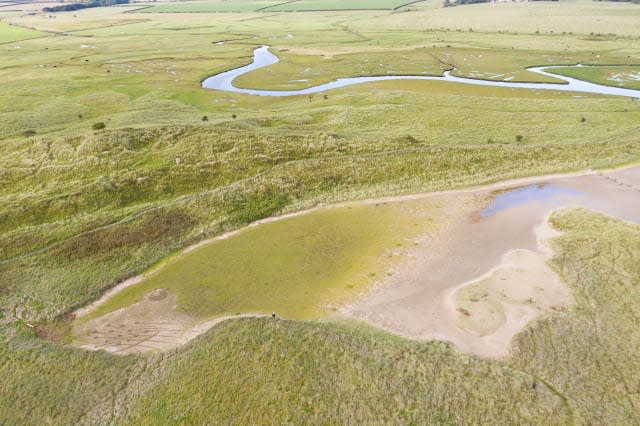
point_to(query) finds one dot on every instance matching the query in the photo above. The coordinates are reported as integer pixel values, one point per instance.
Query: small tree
(519, 138)
(205, 118)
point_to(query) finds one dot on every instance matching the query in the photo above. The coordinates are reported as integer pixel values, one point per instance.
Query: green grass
(45, 383)
(209, 6)
(619, 76)
(282, 372)
(12, 33)
(591, 356)
(573, 366)
(296, 267)
(311, 5)
(81, 210)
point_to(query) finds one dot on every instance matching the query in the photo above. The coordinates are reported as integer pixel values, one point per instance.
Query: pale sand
(418, 300)
(496, 306)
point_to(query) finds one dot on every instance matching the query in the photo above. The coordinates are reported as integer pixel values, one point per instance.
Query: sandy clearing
(496, 306)
(419, 300)
(429, 294)
(150, 325)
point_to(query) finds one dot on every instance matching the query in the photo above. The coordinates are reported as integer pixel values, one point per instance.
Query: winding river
(262, 57)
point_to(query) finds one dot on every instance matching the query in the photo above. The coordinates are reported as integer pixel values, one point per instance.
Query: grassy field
(297, 267)
(619, 76)
(209, 6)
(83, 208)
(273, 372)
(11, 33)
(321, 5)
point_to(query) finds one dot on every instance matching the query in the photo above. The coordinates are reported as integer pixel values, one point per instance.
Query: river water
(262, 57)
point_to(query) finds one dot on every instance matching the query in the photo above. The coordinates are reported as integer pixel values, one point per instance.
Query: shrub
(98, 126)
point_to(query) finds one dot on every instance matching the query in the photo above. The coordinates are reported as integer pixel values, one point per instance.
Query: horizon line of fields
(276, 6)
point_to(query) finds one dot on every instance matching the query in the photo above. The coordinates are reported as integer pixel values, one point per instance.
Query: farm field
(10, 33)
(114, 159)
(208, 6)
(324, 5)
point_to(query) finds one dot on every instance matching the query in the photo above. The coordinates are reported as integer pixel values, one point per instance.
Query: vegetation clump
(77, 6)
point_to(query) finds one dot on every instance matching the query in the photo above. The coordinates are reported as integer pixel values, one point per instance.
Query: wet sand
(418, 300)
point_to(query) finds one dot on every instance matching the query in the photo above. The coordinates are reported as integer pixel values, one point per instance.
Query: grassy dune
(577, 365)
(589, 353)
(275, 372)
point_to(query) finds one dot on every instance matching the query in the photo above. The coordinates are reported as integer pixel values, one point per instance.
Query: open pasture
(12, 33)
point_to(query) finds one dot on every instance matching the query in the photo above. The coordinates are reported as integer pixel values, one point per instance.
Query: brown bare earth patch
(56, 331)
(152, 324)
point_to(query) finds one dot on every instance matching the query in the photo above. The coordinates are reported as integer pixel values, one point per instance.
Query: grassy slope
(590, 353)
(10, 33)
(582, 360)
(282, 372)
(45, 383)
(574, 365)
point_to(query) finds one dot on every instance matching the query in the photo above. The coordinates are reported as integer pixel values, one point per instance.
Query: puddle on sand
(524, 195)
